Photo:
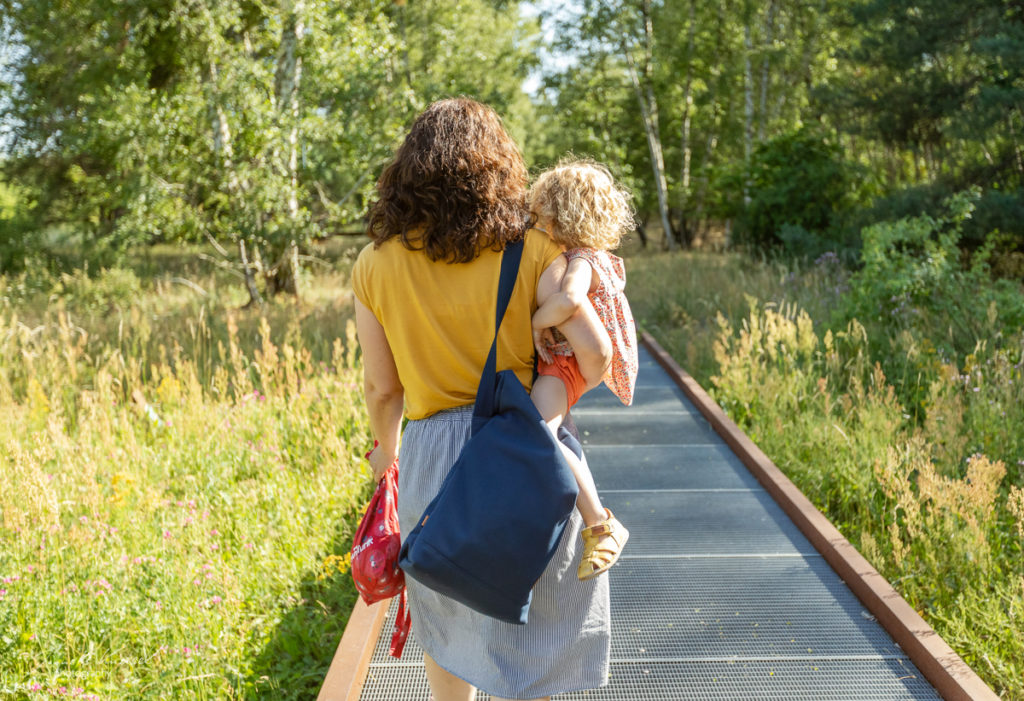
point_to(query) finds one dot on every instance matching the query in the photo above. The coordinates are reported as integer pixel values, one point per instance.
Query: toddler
(579, 205)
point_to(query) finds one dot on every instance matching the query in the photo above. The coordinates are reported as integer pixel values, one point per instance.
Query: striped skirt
(565, 645)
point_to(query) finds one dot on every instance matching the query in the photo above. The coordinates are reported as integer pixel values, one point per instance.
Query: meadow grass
(194, 549)
(932, 495)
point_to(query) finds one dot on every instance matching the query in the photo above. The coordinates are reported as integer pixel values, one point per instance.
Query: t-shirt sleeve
(550, 252)
(361, 277)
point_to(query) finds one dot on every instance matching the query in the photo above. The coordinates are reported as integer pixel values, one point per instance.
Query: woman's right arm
(584, 330)
(385, 395)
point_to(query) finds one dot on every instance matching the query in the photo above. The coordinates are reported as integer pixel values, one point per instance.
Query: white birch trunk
(649, 114)
(684, 196)
(748, 108)
(769, 38)
(287, 79)
(222, 143)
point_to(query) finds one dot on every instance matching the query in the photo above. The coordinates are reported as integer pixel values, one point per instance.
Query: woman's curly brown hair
(456, 186)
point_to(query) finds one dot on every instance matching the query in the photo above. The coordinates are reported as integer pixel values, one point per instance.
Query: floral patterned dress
(609, 301)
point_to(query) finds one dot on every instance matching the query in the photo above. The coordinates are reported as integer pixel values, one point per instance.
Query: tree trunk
(222, 143)
(250, 280)
(684, 180)
(748, 109)
(715, 90)
(769, 37)
(649, 113)
(285, 273)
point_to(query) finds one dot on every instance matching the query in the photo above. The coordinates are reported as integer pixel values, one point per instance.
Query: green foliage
(939, 521)
(912, 278)
(261, 124)
(194, 548)
(799, 186)
(931, 488)
(115, 288)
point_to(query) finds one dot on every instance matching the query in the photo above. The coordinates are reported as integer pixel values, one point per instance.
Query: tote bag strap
(510, 257)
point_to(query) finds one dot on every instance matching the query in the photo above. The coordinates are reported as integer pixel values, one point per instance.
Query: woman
(426, 291)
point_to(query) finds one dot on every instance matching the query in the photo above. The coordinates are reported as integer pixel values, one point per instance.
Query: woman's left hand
(380, 461)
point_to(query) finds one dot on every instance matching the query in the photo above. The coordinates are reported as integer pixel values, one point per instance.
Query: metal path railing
(719, 593)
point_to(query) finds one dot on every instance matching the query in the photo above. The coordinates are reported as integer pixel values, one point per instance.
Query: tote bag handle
(484, 407)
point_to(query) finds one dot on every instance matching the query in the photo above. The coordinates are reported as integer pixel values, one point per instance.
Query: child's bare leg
(551, 400)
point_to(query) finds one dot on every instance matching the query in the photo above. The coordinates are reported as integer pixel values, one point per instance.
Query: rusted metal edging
(941, 666)
(347, 673)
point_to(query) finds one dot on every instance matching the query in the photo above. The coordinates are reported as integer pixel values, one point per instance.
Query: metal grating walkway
(718, 594)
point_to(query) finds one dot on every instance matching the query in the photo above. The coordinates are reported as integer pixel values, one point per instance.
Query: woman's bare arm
(385, 395)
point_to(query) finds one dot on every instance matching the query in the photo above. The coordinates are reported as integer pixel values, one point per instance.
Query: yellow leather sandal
(602, 545)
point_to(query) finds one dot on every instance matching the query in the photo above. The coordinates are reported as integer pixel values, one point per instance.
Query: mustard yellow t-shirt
(439, 317)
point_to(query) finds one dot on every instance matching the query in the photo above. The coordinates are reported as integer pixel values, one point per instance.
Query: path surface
(718, 595)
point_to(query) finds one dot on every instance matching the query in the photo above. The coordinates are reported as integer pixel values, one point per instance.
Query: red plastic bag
(375, 550)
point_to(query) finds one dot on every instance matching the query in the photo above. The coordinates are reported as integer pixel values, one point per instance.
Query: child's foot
(602, 545)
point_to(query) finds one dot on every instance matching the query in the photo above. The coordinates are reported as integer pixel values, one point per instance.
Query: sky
(549, 61)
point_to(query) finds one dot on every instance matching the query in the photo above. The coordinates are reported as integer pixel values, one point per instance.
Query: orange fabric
(566, 369)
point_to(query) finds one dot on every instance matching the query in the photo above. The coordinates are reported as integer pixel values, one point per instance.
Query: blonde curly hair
(589, 209)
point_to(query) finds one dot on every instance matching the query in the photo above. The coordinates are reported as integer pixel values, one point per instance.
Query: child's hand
(542, 338)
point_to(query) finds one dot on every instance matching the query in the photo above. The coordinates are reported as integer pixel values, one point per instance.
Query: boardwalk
(718, 594)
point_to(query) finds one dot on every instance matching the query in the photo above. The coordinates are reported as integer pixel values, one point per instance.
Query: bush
(913, 278)
(994, 210)
(113, 288)
(937, 507)
(798, 185)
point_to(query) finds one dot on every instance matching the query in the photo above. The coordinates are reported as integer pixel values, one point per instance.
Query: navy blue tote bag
(498, 517)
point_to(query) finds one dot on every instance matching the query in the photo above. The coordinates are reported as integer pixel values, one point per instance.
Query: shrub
(937, 507)
(798, 184)
(185, 544)
(112, 288)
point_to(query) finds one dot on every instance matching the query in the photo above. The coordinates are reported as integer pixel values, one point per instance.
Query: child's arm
(570, 298)
(582, 328)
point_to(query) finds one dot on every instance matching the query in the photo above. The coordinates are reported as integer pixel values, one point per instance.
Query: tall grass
(932, 495)
(179, 483)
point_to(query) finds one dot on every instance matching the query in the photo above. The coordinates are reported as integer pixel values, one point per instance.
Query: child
(579, 206)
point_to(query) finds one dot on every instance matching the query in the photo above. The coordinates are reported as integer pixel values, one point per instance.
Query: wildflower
(250, 546)
(215, 600)
(167, 534)
(159, 605)
(3, 593)
(214, 532)
(36, 687)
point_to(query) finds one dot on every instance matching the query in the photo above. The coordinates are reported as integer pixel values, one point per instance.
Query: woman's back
(439, 317)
